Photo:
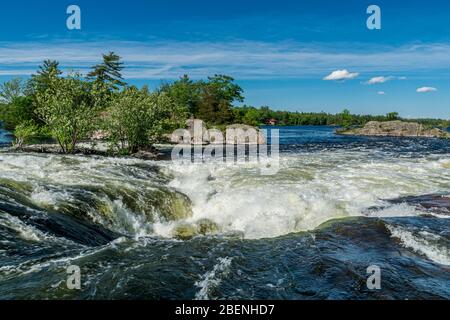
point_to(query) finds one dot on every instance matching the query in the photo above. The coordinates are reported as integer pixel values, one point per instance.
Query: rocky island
(395, 129)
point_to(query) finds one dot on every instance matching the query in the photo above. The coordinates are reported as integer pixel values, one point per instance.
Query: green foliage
(107, 75)
(24, 132)
(11, 90)
(216, 99)
(211, 100)
(346, 118)
(20, 98)
(392, 116)
(43, 78)
(66, 107)
(225, 88)
(137, 118)
(249, 116)
(185, 93)
(21, 109)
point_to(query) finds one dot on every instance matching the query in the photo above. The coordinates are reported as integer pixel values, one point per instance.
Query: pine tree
(108, 73)
(40, 81)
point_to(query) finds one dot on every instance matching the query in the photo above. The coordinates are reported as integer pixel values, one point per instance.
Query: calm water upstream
(167, 230)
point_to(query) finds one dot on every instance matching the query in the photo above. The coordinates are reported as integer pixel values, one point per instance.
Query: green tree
(108, 74)
(44, 77)
(138, 118)
(185, 93)
(24, 132)
(11, 89)
(67, 109)
(207, 108)
(226, 88)
(20, 98)
(20, 109)
(345, 118)
(392, 116)
(252, 117)
(216, 99)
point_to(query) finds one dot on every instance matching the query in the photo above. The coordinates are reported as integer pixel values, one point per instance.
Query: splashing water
(139, 198)
(309, 190)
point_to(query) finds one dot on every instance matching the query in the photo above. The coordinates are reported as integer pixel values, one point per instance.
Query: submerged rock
(120, 208)
(202, 227)
(434, 203)
(155, 204)
(206, 226)
(395, 129)
(175, 206)
(17, 186)
(148, 153)
(185, 232)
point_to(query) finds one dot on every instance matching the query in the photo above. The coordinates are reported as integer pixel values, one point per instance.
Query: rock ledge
(395, 129)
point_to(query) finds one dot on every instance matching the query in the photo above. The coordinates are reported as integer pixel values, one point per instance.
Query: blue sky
(280, 51)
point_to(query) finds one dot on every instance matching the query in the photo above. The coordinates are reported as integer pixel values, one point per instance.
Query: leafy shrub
(67, 108)
(24, 132)
(137, 118)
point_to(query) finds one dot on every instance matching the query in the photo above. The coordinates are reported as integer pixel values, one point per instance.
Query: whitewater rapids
(139, 198)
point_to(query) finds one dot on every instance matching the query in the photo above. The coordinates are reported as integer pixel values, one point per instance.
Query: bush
(137, 119)
(67, 108)
(19, 110)
(25, 132)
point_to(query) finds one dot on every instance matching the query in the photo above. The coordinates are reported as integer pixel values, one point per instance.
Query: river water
(5, 137)
(167, 230)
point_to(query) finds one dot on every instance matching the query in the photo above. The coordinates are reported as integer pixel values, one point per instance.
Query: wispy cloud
(426, 89)
(381, 93)
(242, 59)
(378, 80)
(382, 79)
(340, 75)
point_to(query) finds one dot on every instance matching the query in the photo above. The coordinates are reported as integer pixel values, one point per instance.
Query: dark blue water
(5, 137)
(317, 138)
(301, 135)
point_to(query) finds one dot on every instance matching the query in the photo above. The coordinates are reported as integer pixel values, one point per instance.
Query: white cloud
(426, 89)
(381, 93)
(378, 80)
(341, 75)
(241, 59)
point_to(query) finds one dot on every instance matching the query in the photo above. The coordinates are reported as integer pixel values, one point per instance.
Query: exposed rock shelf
(395, 129)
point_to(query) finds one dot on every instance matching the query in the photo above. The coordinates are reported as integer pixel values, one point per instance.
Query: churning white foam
(424, 243)
(23, 230)
(213, 279)
(309, 189)
(55, 182)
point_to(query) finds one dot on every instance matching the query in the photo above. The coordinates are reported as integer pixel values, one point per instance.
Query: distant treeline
(265, 115)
